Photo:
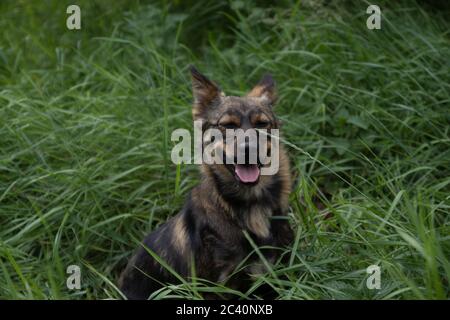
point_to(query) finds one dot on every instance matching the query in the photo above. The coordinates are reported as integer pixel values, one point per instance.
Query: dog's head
(248, 117)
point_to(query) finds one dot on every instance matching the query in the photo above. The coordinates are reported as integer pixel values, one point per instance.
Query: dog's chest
(256, 220)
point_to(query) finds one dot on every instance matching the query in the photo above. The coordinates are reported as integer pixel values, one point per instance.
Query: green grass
(86, 117)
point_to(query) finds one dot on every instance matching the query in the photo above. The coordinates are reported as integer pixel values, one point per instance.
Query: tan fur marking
(265, 90)
(179, 235)
(258, 221)
(229, 119)
(257, 91)
(260, 117)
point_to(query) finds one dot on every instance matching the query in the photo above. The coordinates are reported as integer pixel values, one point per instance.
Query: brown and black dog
(230, 200)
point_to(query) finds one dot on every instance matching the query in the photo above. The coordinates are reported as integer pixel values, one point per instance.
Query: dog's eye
(229, 125)
(262, 124)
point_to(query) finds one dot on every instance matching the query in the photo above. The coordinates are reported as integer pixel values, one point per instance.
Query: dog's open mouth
(247, 173)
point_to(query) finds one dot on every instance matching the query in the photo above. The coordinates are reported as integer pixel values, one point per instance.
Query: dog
(231, 203)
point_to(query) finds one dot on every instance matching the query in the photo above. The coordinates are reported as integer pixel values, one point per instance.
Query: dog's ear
(206, 93)
(265, 90)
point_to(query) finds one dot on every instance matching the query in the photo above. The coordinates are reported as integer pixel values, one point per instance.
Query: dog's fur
(209, 229)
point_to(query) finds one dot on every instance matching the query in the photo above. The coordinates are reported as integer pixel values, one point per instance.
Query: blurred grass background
(86, 117)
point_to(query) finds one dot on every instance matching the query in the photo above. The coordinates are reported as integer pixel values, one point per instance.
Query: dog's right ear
(206, 93)
(265, 90)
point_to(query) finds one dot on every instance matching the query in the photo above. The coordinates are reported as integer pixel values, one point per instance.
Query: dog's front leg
(282, 233)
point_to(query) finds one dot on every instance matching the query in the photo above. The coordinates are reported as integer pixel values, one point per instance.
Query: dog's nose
(247, 152)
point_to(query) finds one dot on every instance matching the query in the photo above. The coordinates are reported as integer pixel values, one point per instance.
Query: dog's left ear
(265, 90)
(206, 93)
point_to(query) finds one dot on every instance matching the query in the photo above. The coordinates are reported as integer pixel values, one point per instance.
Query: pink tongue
(246, 174)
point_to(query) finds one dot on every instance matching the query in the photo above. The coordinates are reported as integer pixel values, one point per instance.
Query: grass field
(86, 118)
